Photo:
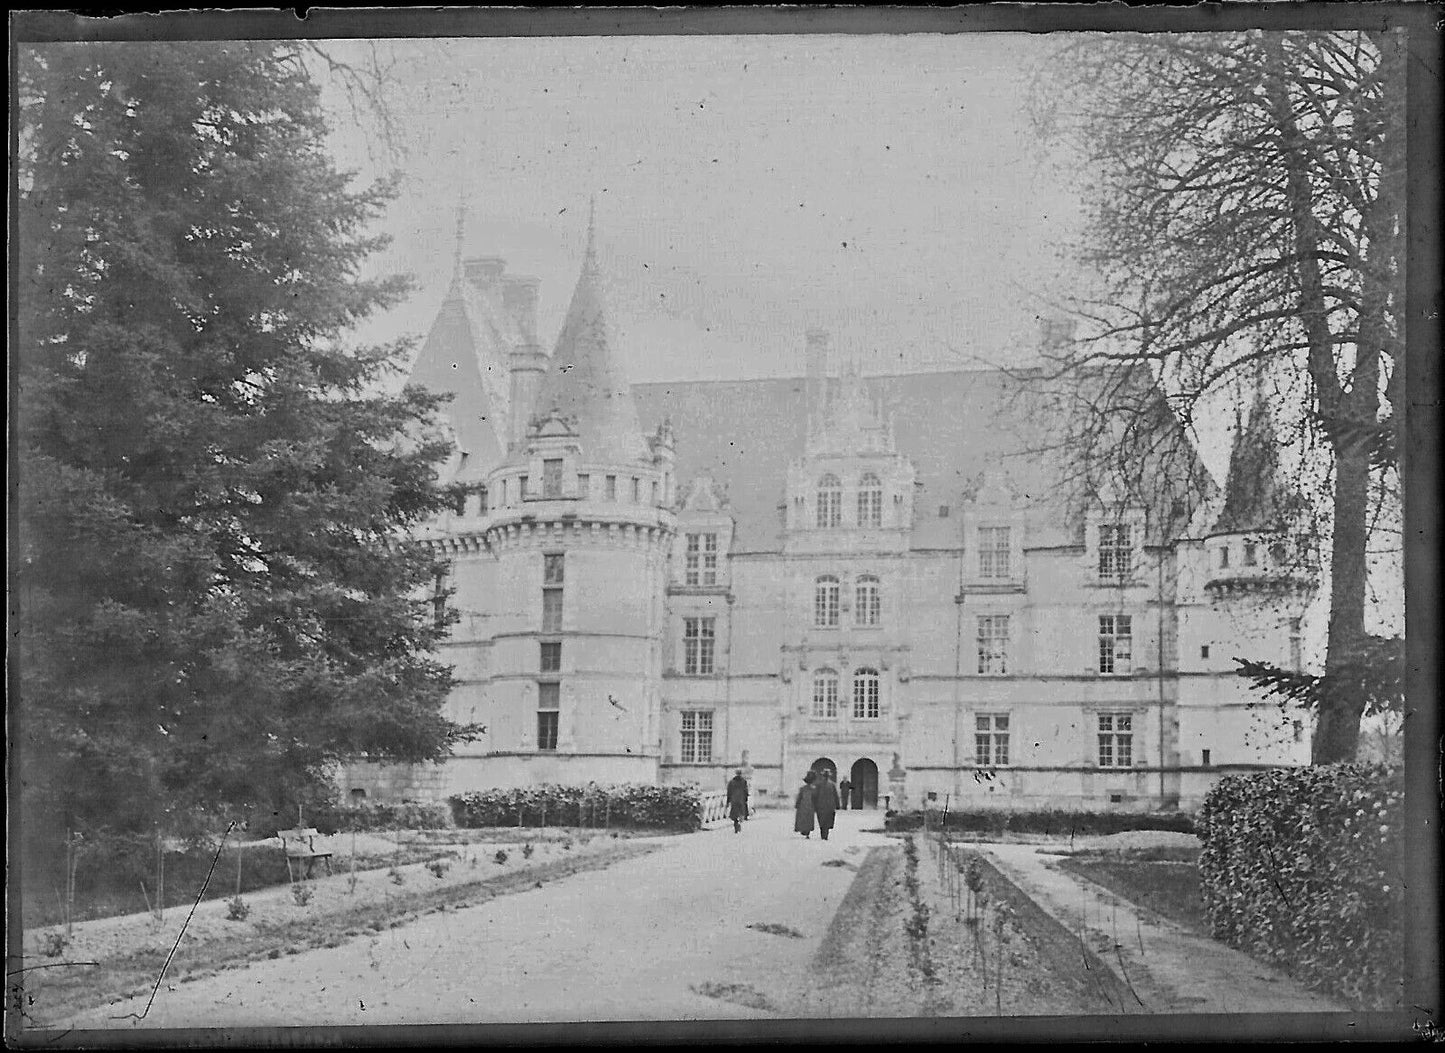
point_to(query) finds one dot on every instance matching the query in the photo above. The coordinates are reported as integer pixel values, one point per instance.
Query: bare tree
(1245, 221)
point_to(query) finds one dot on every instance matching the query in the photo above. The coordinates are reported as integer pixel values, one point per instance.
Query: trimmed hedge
(1046, 821)
(382, 815)
(1303, 867)
(633, 804)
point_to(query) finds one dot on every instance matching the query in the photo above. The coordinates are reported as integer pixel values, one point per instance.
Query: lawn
(1164, 881)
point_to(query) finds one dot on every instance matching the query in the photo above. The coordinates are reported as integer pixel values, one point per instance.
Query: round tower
(580, 526)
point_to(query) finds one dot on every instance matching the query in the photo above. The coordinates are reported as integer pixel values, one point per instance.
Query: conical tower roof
(585, 382)
(1254, 500)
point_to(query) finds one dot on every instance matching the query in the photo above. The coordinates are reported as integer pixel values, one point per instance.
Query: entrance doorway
(825, 764)
(864, 791)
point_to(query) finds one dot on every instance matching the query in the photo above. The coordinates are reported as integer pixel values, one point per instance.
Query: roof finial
(589, 255)
(457, 250)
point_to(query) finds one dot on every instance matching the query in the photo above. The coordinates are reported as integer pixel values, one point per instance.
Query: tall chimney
(484, 271)
(519, 299)
(528, 363)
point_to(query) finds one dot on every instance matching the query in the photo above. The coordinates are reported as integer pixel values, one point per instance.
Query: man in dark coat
(845, 791)
(825, 802)
(738, 801)
(803, 807)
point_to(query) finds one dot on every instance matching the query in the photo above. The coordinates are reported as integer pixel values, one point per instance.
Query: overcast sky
(886, 188)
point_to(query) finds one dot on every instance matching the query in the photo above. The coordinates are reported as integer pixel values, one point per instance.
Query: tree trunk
(1337, 731)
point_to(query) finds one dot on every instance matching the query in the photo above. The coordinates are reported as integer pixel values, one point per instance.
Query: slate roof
(585, 381)
(954, 426)
(1253, 497)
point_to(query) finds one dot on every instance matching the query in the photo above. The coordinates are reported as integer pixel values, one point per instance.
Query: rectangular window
(1204, 757)
(439, 600)
(825, 603)
(865, 695)
(1115, 551)
(654, 492)
(1116, 740)
(867, 601)
(825, 696)
(482, 501)
(522, 486)
(990, 739)
(993, 552)
(552, 478)
(547, 729)
(610, 485)
(1116, 643)
(993, 643)
(1249, 553)
(696, 736)
(1203, 650)
(698, 639)
(870, 507)
(1296, 646)
(551, 610)
(701, 559)
(549, 701)
(551, 659)
(504, 494)
(1224, 557)
(584, 485)
(553, 568)
(636, 490)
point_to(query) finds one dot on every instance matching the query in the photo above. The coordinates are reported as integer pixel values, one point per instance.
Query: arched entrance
(825, 764)
(864, 778)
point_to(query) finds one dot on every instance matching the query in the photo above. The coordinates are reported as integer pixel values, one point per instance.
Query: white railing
(714, 806)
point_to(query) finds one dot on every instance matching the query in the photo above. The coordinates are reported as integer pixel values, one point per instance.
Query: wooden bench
(300, 846)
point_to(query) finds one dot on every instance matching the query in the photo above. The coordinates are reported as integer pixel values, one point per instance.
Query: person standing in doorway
(825, 802)
(845, 790)
(803, 807)
(738, 801)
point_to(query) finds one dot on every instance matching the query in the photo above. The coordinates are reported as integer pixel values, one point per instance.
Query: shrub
(629, 805)
(301, 894)
(53, 944)
(382, 815)
(1303, 867)
(237, 909)
(1047, 821)
(501, 856)
(438, 867)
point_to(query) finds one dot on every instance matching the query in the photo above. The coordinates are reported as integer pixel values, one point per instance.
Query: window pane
(611, 487)
(547, 730)
(551, 610)
(552, 478)
(551, 657)
(549, 695)
(584, 486)
(553, 569)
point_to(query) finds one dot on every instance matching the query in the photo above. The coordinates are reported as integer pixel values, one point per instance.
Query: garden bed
(109, 958)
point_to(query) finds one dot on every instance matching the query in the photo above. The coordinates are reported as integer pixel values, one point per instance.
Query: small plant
(528, 849)
(351, 883)
(302, 894)
(52, 944)
(397, 877)
(438, 867)
(501, 856)
(567, 845)
(237, 909)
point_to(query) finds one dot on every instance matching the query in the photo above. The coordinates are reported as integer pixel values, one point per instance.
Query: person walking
(845, 791)
(803, 807)
(738, 801)
(825, 802)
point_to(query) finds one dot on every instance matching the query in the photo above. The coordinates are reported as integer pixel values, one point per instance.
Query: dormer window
(552, 478)
(830, 501)
(993, 552)
(870, 501)
(701, 559)
(1116, 553)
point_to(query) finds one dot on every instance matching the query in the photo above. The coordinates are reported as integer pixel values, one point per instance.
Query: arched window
(865, 694)
(868, 604)
(825, 602)
(830, 501)
(825, 694)
(870, 501)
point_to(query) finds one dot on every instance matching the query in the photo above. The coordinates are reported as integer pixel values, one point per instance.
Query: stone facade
(870, 574)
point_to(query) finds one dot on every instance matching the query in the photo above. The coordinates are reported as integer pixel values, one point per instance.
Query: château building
(883, 575)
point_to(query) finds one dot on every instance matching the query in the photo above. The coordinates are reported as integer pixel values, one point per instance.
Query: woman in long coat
(825, 803)
(803, 807)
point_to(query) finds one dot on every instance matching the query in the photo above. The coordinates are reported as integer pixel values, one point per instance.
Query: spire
(1253, 498)
(456, 287)
(585, 381)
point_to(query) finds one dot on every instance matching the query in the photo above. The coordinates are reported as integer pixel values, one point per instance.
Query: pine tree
(216, 593)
